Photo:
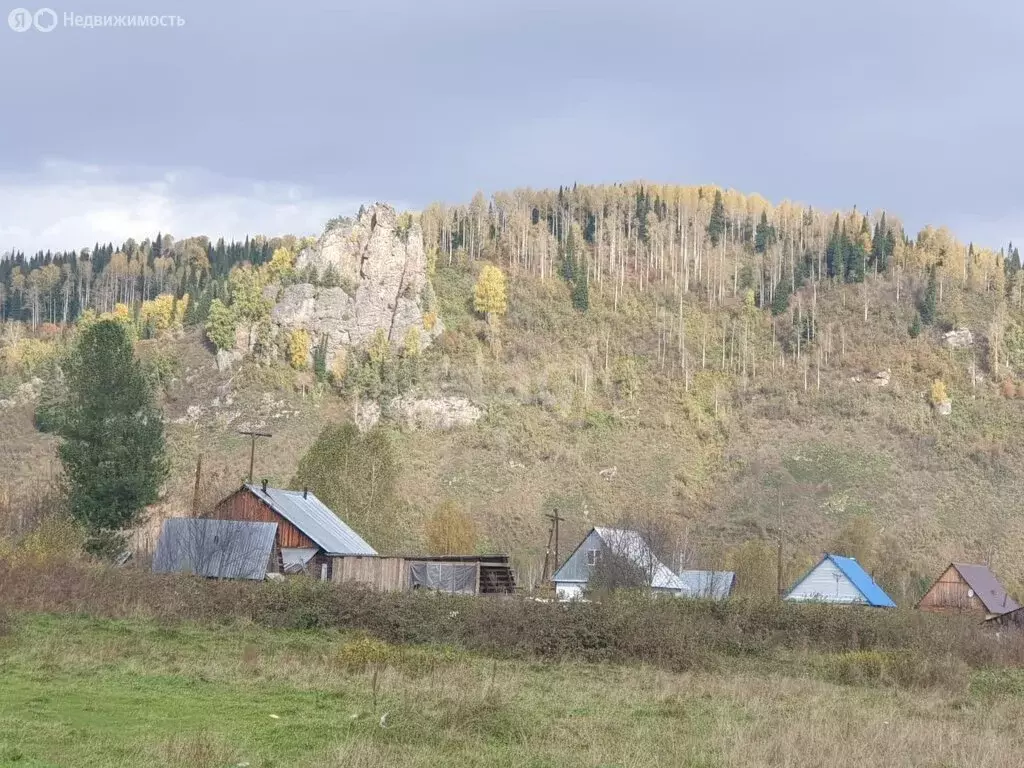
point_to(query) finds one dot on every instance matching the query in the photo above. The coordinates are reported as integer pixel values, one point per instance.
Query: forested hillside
(690, 354)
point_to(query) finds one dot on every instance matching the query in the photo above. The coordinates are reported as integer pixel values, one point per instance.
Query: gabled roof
(315, 519)
(631, 545)
(873, 594)
(987, 587)
(715, 585)
(221, 549)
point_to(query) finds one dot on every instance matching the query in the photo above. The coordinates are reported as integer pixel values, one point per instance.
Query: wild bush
(854, 645)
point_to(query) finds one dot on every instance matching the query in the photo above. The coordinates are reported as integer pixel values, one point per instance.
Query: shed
(454, 574)
(838, 579)
(1008, 620)
(220, 549)
(572, 579)
(709, 585)
(304, 523)
(970, 589)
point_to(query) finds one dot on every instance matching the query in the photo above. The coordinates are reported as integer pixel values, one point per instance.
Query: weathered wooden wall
(950, 594)
(387, 574)
(244, 505)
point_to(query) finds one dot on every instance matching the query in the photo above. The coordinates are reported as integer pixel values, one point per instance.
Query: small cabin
(309, 535)
(842, 580)
(970, 589)
(608, 544)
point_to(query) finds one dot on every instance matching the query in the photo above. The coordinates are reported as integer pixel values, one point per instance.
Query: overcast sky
(271, 117)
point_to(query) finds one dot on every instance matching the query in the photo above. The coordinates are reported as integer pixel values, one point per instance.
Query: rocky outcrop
(959, 338)
(410, 413)
(379, 260)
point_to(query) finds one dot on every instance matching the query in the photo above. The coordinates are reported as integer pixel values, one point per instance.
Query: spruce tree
(929, 305)
(915, 327)
(716, 224)
(113, 437)
(581, 290)
(764, 235)
(834, 258)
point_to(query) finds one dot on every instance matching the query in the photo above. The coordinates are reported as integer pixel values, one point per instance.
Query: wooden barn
(309, 535)
(964, 588)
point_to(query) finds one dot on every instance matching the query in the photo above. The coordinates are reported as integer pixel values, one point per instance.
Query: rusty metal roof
(987, 587)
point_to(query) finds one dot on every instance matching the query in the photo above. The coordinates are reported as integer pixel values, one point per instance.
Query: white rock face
(410, 413)
(959, 338)
(944, 408)
(381, 261)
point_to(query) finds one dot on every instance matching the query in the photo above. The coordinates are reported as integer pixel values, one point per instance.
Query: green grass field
(83, 692)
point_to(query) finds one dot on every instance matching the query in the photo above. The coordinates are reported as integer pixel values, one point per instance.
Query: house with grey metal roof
(309, 533)
(218, 549)
(617, 558)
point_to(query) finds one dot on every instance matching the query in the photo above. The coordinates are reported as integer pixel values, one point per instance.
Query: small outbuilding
(309, 534)
(708, 585)
(838, 579)
(452, 574)
(217, 549)
(965, 588)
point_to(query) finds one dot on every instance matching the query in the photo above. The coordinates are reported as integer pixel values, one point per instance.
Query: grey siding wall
(826, 583)
(576, 568)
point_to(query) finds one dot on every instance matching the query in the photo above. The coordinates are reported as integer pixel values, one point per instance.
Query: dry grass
(103, 693)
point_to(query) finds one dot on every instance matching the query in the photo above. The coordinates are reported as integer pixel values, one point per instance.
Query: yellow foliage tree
(938, 393)
(450, 530)
(281, 265)
(379, 350)
(411, 343)
(490, 294)
(299, 345)
(159, 313)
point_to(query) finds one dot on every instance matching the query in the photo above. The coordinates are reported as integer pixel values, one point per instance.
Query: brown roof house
(309, 535)
(970, 589)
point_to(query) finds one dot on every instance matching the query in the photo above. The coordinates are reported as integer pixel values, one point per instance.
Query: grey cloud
(910, 106)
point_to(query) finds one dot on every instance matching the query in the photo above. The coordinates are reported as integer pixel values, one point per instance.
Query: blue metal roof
(873, 593)
(220, 549)
(315, 519)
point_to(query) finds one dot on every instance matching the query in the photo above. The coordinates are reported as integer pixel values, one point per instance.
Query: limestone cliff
(380, 260)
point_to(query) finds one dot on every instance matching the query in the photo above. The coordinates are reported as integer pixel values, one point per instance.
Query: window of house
(593, 556)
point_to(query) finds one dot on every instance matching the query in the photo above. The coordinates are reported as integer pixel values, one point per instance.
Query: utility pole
(549, 567)
(252, 448)
(195, 491)
(778, 574)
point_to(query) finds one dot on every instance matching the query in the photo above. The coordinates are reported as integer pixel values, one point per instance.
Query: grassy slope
(939, 488)
(82, 692)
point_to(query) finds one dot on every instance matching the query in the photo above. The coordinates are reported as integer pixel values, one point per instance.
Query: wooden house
(964, 588)
(309, 535)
